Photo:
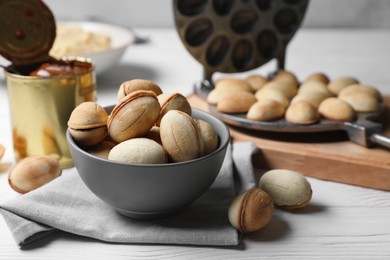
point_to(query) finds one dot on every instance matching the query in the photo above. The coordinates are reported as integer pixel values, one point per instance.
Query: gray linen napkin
(67, 204)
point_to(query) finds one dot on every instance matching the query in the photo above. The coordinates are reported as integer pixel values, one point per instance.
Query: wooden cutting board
(328, 156)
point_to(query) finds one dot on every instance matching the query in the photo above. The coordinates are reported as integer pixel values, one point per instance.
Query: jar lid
(27, 32)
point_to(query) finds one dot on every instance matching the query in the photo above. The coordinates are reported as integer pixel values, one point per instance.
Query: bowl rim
(87, 25)
(221, 147)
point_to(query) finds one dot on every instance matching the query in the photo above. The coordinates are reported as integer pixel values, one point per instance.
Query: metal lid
(27, 31)
(235, 36)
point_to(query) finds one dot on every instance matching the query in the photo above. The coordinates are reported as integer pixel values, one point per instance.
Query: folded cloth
(66, 204)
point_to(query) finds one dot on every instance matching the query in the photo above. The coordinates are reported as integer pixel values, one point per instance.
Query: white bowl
(120, 37)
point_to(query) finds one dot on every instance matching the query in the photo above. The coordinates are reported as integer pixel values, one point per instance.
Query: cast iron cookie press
(231, 36)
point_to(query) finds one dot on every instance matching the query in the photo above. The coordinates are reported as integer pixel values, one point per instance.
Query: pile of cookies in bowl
(284, 96)
(143, 118)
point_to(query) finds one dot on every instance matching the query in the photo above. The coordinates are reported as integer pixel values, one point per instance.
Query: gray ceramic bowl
(151, 190)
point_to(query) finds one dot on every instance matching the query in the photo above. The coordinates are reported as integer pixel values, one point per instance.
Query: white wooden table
(342, 221)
